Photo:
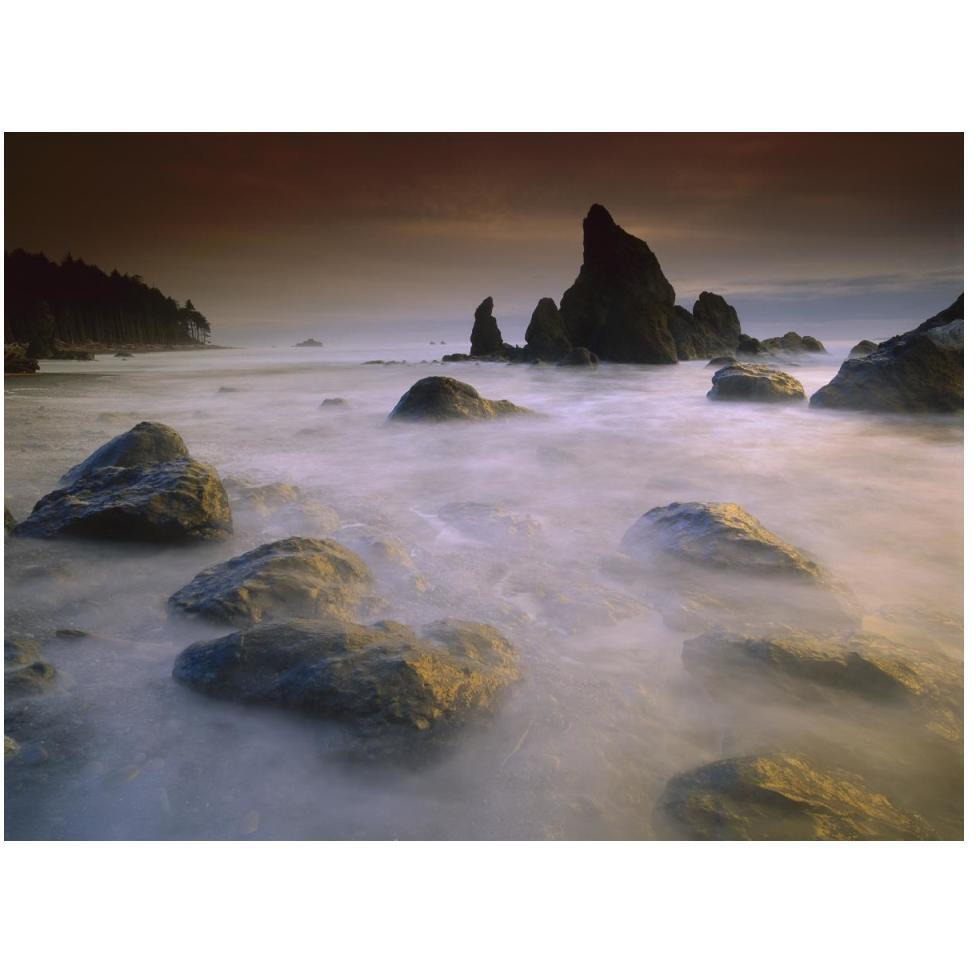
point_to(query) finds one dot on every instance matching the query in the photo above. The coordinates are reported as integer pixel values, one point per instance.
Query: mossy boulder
(440, 398)
(748, 381)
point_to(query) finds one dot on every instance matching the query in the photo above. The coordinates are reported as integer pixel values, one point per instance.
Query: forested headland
(74, 304)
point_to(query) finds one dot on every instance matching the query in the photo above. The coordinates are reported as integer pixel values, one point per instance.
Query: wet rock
(10, 747)
(748, 346)
(780, 797)
(289, 578)
(486, 338)
(455, 357)
(147, 443)
(619, 305)
(831, 669)
(864, 348)
(918, 372)
(442, 398)
(546, 338)
(810, 344)
(173, 501)
(578, 356)
(746, 381)
(721, 361)
(24, 673)
(489, 523)
(281, 508)
(710, 553)
(387, 674)
(334, 402)
(309, 343)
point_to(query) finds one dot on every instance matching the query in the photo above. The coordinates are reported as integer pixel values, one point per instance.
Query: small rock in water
(746, 381)
(440, 398)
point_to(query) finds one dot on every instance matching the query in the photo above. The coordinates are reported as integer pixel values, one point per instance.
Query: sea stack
(486, 337)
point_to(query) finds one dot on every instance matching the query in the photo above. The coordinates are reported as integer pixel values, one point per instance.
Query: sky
(279, 236)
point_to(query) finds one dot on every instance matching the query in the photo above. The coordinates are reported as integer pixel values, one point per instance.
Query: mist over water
(605, 712)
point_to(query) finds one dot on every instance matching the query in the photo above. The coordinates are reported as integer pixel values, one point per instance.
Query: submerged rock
(864, 348)
(546, 337)
(918, 372)
(147, 443)
(780, 797)
(309, 343)
(334, 402)
(278, 507)
(486, 338)
(489, 523)
(746, 381)
(618, 307)
(721, 361)
(578, 356)
(798, 665)
(168, 502)
(445, 398)
(24, 672)
(387, 674)
(289, 578)
(707, 555)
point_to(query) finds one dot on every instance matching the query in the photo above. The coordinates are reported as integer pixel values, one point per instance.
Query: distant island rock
(309, 343)
(918, 372)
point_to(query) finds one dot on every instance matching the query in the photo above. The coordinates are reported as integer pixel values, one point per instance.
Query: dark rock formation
(309, 343)
(147, 443)
(918, 372)
(546, 338)
(721, 361)
(334, 402)
(289, 578)
(16, 360)
(387, 674)
(8, 520)
(444, 398)
(710, 556)
(864, 348)
(140, 486)
(711, 329)
(578, 356)
(618, 307)
(792, 343)
(747, 381)
(486, 337)
(748, 346)
(798, 666)
(780, 797)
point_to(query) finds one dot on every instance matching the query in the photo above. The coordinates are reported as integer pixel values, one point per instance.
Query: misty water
(605, 712)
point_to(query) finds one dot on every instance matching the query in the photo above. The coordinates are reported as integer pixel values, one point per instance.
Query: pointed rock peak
(485, 308)
(486, 338)
(598, 214)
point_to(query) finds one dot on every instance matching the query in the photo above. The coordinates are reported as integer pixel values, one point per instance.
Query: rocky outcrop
(748, 346)
(780, 797)
(711, 329)
(140, 486)
(486, 337)
(146, 444)
(289, 578)
(8, 520)
(747, 381)
(792, 343)
(799, 666)
(334, 402)
(864, 348)
(918, 372)
(16, 361)
(309, 343)
(441, 398)
(618, 307)
(546, 338)
(387, 675)
(712, 558)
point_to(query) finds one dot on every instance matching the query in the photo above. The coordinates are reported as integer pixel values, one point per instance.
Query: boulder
(747, 381)
(721, 361)
(173, 501)
(864, 348)
(780, 797)
(792, 666)
(441, 398)
(278, 507)
(289, 578)
(578, 356)
(619, 305)
(546, 338)
(387, 675)
(715, 563)
(810, 344)
(918, 372)
(486, 337)
(147, 443)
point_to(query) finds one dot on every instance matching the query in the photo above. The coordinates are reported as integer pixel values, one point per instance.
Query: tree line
(74, 303)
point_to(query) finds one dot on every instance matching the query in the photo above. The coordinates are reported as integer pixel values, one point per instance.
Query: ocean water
(605, 712)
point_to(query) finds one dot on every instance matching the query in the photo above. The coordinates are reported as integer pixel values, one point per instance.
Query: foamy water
(605, 712)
